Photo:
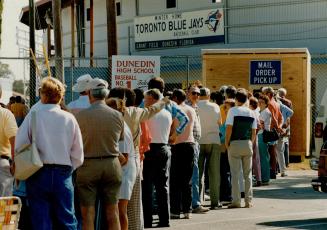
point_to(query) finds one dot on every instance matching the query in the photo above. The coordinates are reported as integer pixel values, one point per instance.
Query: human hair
(204, 92)
(219, 98)
(157, 83)
(179, 94)
(116, 103)
(168, 94)
(122, 93)
(52, 90)
(99, 94)
(253, 102)
(264, 98)
(230, 101)
(231, 92)
(268, 90)
(139, 96)
(282, 92)
(18, 99)
(155, 93)
(241, 95)
(12, 99)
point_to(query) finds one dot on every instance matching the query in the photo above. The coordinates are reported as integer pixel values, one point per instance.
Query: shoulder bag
(270, 136)
(27, 158)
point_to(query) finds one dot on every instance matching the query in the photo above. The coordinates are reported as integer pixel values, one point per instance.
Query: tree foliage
(5, 72)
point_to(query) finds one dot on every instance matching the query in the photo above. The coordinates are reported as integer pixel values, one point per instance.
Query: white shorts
(128, 181)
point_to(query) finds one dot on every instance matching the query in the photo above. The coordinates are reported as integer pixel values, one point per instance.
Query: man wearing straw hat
(83, 101)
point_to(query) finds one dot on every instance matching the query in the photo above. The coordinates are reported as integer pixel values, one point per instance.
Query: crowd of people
(113, 158)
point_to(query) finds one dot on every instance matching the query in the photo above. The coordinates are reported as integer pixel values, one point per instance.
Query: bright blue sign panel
(265, 72)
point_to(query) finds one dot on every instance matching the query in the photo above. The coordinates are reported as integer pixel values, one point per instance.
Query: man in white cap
(80, 87)
(100, 176)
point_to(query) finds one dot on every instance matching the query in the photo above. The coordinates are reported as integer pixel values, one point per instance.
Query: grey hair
(155, 93)
(100, 93)
(282, 92)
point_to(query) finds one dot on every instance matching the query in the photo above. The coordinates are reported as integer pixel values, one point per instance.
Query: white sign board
(134, 71)
(179, 29)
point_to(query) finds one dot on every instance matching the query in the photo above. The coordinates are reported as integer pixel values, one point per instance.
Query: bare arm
(12, 144)
(229, 129)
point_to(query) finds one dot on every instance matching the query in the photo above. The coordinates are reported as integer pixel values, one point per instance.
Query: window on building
(118, 8)
(171, 3)
(88, 14)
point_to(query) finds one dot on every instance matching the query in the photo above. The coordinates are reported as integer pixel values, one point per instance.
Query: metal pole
(91, 33)
(56, 9)
(72, 27)
(129, 40)
(32, 46)
(188, 72)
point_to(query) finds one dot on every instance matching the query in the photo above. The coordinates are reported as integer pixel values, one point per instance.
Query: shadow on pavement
(289, 193)
(319, 223)
(293, 188)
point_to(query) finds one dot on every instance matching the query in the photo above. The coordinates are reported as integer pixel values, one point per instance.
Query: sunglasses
(195, 93)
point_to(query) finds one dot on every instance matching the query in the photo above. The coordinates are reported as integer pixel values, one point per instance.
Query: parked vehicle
(320, 183)
(320, 132)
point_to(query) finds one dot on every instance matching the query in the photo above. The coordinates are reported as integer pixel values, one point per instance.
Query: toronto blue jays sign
(179, 29)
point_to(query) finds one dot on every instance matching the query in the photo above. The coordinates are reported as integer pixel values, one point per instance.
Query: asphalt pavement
(287, 203)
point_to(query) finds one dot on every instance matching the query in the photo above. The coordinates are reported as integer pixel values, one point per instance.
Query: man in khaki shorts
(101, 174)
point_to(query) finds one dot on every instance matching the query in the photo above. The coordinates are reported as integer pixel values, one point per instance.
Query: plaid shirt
(197, 125)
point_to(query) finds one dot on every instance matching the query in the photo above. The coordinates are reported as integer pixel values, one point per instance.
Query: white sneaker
(187, 215)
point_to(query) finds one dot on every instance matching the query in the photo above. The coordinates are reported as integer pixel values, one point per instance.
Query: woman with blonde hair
(50, 190)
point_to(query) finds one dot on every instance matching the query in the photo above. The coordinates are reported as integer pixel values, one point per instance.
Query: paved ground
(287, 203)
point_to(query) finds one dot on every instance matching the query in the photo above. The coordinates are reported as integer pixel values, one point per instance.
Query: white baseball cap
(97, 83)
(82, 83)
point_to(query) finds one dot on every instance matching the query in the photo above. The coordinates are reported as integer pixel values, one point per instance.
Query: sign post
(134, 71)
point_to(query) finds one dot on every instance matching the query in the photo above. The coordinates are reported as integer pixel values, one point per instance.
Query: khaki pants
(240, 156)
(211, 153)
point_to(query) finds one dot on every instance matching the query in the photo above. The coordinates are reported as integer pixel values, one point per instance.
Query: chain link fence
(178, 72)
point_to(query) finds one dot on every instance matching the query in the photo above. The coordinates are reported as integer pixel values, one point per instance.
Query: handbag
(270, 136)
(27, 158)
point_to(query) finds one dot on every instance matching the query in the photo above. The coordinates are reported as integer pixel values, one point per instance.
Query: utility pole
(111, 33)
(111, 28)
(91, 33)
(32, 82)
(56, 11)
(72, 26)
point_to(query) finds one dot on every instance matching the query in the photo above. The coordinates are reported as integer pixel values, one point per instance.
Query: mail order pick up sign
(265, 72)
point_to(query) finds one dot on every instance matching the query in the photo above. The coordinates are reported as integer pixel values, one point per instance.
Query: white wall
(269, 24)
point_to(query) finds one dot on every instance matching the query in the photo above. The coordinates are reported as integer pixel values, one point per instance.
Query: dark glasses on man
(195, 93)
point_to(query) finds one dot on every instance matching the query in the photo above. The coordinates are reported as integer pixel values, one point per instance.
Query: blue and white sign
(265, 72)
(179, 29)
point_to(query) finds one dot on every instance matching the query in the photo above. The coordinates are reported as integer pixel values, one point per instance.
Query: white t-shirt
(265, 116)
(241, 111)
(159, 127)
(126, 145)
(209, 114)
